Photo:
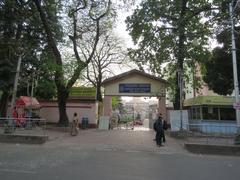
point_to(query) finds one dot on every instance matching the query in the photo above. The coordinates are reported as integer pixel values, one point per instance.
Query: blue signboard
(134, 88)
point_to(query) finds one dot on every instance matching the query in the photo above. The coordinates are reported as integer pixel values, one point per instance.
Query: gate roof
(130, 73)
(135, 83)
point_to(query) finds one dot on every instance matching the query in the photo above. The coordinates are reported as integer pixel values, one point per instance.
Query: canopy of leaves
(21, 33)
(219, 69)
(116, 102)
(155, 27)
(176, 32)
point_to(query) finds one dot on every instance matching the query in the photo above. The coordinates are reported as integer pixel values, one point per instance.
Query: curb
(232, 150)
(24, 139)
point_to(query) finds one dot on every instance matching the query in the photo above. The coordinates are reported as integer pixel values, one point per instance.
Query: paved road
(111, 155)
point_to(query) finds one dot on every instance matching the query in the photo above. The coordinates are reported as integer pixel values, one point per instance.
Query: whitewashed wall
(49, 111)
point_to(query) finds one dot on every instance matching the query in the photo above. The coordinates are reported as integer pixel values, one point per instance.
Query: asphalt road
(33, 162)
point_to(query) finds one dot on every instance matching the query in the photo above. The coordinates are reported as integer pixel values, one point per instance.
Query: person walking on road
(74, 127)
(165, 127)
(158, 127)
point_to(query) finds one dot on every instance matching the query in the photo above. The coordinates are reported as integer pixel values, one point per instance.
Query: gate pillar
(162, 107)
(107, 106)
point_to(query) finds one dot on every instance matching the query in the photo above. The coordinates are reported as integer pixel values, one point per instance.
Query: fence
(212, 133)
(31, 126)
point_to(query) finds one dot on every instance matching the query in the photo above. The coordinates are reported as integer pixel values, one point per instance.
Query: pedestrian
(74, 126)
(165, 127)
(158, 127)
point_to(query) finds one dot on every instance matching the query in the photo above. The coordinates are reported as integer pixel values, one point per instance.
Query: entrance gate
(134, 83)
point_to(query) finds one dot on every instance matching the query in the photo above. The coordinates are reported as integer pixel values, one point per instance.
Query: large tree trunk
(59, 77)
(176, 102)
(62, 88)
(62, 100)
(4, 104)
(99, 94)
(181, 53)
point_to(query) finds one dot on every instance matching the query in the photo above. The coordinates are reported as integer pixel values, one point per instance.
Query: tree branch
(52, 44)
(103, 14)
(80, 64)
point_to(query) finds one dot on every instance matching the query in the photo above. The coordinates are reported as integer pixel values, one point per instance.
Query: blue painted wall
(219, 127)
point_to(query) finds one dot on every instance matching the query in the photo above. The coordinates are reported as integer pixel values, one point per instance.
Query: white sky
(121, 27)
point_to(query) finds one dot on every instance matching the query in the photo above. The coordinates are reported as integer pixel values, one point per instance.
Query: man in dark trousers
(165, 127)
(158, 127)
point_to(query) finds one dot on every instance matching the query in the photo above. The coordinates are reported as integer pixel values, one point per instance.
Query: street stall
(26, 107)
(212, 113)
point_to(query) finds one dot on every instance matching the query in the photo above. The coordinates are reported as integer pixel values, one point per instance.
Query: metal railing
(212, 133)
(31, 126)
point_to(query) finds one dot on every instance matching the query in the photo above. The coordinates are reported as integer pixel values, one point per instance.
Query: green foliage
(81, 22)
(8, 44)
(126, 118)
(154, 27)
(21, 33)
(168, 32)
(219, 69)
(176, 32)
(82, 92)
(116, 102)
(45, 89)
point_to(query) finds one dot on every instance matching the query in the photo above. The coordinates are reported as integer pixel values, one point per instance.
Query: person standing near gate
(165, 127)
(158, 127)
(74, 127)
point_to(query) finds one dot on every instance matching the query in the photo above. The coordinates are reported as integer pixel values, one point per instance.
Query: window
(227, 114)
(195, 113)
(210, 113)
(198, 113)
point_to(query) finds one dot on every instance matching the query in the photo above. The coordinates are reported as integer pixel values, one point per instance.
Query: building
(210, 110)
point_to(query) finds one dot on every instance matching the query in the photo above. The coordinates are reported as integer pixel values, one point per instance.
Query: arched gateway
(137, 84)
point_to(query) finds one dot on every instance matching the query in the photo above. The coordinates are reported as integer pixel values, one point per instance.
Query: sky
(121, 32)
(121, 27)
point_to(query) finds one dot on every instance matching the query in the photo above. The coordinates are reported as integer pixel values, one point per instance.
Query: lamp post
(234, 59)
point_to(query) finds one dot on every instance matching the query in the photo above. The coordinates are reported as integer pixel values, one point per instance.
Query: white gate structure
(134, 83)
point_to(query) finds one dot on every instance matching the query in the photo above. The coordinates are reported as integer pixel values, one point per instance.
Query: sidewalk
(114, 140)
(137, 141)
(212, 145)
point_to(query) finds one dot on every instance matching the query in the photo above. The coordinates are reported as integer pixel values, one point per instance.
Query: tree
(85, 16)
(19, 34)
(176, 32)
(38, 74)
(218, 72)
(8, 32)
(116, 102)
(109, 52)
